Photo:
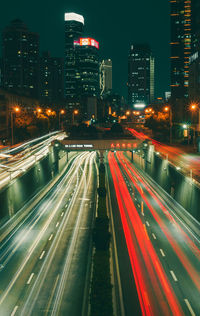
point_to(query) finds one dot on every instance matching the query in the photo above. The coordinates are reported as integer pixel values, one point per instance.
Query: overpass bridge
(100, 145)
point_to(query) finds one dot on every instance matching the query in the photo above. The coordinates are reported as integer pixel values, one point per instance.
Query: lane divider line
(162, 253)
(189, 307)
(42, 255)
(173, 276)
(154, 236)
(14, 311)
(29, 280)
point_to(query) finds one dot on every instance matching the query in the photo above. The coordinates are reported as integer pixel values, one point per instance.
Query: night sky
(115, 24)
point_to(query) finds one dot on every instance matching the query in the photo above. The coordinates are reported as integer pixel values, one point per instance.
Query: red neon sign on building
(87, 42)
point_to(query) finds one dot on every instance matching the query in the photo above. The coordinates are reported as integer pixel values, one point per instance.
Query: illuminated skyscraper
(51, 78)
(194, 69)
(74, 24)
(140, 75)
(20, 59)
(180, 47)
(87, 66)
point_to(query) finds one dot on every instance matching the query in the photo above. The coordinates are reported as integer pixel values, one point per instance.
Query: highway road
(176, 155)
(45, 259)
(18, 159)
(157, 254)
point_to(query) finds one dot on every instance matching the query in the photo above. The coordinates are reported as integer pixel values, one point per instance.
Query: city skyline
(119, 30)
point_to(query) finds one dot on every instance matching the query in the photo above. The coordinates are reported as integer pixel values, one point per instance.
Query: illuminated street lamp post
(75, 112)
(195, 106)
(169, 109)
(60, 113)
(13, 111)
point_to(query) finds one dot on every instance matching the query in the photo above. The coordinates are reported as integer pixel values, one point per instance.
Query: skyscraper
(140, 75)
(20, 59)
(194, 68)
(51, 78)
(105, 76)
(74, 24)
(180, 47)
(87, 66)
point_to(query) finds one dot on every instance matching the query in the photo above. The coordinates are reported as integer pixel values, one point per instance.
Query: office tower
(20, 59)
(87, 66)
(194, 68)
(51, 78)
(140, 75)
(105, 77)
(74, 24)
(180, 47)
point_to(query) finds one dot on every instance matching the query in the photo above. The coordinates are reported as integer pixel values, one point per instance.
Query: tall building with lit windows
(20, 60)
(140, 75)
(194, 69)
(74, 24)
(87, 66)
(51, 79)
(181, 30)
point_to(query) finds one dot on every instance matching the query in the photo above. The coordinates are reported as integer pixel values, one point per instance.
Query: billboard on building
(87, 42)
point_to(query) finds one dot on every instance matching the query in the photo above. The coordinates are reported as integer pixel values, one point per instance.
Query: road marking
(52, 294)
(57, 224)
(62, 214)
(173, 276)
(42, 254)
(29, 280)
(51, 237)
(14, 310)
(189, 307)
(162, 253)
(147, 223)
(154, 236)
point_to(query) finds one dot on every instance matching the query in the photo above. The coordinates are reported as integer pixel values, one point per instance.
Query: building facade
(181, 30)
(194, 68)
(87, 67)
(140, 75)
(20, 62)
(105, 77)
(51, 79)
(74, 24)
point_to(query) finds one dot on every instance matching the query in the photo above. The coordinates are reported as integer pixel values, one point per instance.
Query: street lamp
(169, 109)
(13, 111)
(193, 107)
(61, 113)
(75, 112)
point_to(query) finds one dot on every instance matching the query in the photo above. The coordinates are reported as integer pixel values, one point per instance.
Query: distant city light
(139, 105)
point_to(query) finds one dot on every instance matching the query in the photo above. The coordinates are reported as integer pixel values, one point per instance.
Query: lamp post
(75, 112)
(60, 113)
(13, 111)
(193, 107)
(169, 109)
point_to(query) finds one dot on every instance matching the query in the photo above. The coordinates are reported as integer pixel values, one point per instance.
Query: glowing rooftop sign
(87, 42)
(74, 17)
